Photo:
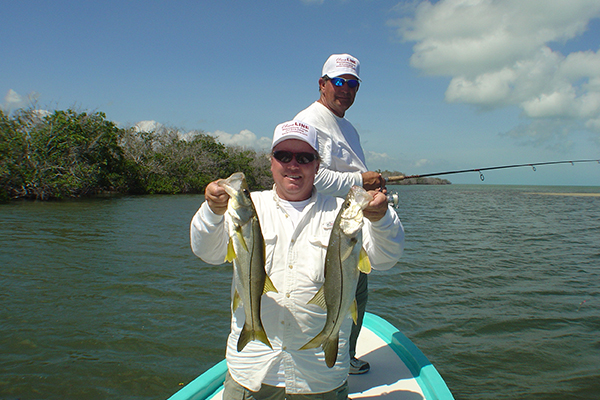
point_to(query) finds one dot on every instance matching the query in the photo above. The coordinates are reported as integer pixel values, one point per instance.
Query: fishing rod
(394, 199)
(398, 178)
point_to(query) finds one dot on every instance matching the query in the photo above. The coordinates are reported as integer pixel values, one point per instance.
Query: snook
(344, 259)
(246, 249)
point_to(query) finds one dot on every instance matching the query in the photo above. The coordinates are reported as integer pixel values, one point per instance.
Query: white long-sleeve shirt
(342, 157)
(295, 257)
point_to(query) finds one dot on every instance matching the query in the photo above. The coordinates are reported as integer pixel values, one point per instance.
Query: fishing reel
(393, 199)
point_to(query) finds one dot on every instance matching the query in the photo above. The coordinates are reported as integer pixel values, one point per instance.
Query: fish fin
(330, 348)
(236, 300)
(354, 312)
(262, 336)
(319, 299)
(269, 287)
(314, 342)
(247, 335)
(230, 252)
(364, 264)
(238, 232)
(345, 253)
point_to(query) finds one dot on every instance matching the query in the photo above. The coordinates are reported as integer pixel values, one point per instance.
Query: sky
(446, 85)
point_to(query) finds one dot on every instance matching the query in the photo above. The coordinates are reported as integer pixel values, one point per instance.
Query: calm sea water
(499, 286)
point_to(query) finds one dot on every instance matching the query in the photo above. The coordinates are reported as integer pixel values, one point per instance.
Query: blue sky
(446, 85)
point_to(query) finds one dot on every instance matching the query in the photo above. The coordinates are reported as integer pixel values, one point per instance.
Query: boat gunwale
(427, 376)
(205, 386)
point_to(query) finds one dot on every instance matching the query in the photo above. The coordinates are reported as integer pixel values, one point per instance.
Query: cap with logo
(341, 64)
(295, 130)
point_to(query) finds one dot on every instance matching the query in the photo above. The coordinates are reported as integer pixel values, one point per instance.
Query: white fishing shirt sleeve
(342, 157)
(294, 261)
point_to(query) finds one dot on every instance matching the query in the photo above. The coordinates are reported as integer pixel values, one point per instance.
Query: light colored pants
(235, 391)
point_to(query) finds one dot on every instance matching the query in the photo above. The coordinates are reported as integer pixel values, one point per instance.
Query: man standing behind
(342, 159)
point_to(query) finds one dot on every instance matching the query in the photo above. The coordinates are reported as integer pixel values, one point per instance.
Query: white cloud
(245, 138)
(40, 114)
(147, 126)
(499, 53)
(470, 37)
(423, 162)
(593, 125)
(189, 136)
(491, 88)
(376, 158)
(14, 100)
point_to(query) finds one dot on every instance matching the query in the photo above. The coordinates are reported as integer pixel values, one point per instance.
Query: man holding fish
(296, 256)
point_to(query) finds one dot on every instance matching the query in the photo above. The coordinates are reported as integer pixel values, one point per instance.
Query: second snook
(344, 260)
(247, 251)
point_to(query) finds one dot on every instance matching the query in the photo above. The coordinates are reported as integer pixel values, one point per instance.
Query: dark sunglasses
(286, 156)
(339, 82)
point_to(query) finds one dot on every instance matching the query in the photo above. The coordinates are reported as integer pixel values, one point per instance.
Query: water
(498, 286)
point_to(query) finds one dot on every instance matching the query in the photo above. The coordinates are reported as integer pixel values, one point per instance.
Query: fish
(344, 260)
(246, 249)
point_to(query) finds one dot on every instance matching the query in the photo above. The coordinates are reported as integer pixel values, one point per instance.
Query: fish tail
(248, 334)
(314, 342)
(330, 348)
(245, 337)
(260, 334)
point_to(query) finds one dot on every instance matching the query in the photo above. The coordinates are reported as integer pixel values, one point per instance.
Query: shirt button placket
(290, 279)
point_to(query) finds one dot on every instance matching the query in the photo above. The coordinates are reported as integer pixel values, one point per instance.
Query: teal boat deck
(399, 370)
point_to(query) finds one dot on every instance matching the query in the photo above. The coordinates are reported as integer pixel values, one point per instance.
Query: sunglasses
(339, 82)
(286, 156)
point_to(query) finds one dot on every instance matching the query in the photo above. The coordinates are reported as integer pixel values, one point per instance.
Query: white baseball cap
(341, 64)
(296, 130)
